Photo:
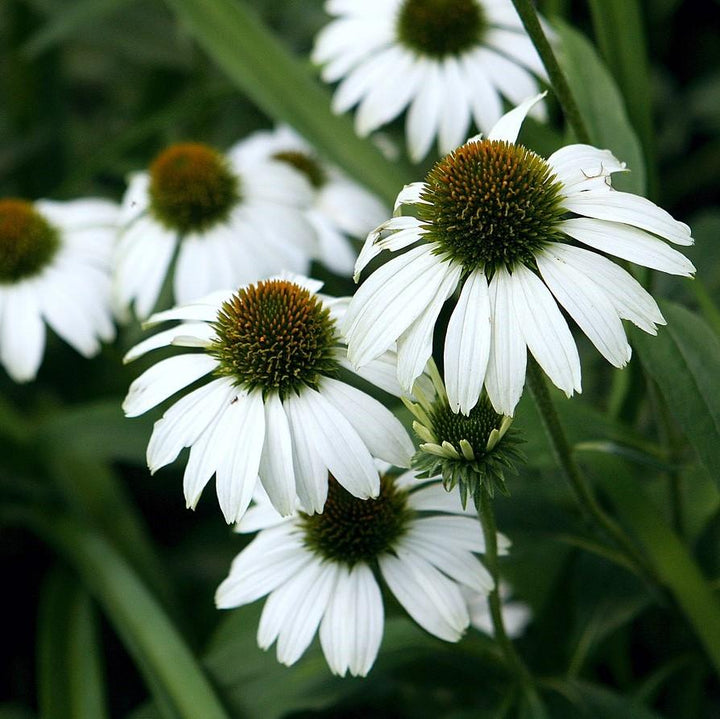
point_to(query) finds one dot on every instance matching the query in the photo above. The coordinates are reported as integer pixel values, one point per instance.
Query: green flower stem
(569, 467)
(178, 681)
(529, 17)
(487, 522)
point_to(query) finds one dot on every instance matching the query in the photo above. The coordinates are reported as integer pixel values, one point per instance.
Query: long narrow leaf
(283, 87)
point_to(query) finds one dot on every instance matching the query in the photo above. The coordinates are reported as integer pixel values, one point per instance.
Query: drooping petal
(352, 628)
(407, 284)
(455, 117)
(428, 596)
(628, 243)
(545, 331)
(507, 361)
(165, 378)
(467, 344)
(22, 333)
(587, 305)
(629, 209)
(276, 464)
(424, 114)
(377, 426)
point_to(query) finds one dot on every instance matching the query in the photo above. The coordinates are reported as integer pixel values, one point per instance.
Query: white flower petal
(587, 305)
(311, 474)
(276, 464)
(181, 335)
(377, 427)
(254, 574)
(404, 231)
(629, 209)
(352, 628)
(243, 433)
(414, 346)
(630, 299)
(422, 118)
(484, 98)
(455, 116)
(583, 167)
(508, 126)
(294, 610)
(164, 379)
(505, 376)
(363, 78)
(545, 331)
(408, 284)
(22, 332)
(339, 445)
(467, 344)
(628, 243)
(184, 422)
(428, 596)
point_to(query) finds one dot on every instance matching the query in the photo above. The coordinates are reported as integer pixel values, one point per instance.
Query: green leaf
(590, 701)
(601, 106)
(172, 672)
(283, 87)
(675, 567)
(71, 678)
(621, 37)
(684, 360)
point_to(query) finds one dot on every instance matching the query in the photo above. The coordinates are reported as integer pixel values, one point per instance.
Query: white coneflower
(222, 222)
(323, 570)
(54, 270)
(274, 405)
(447, 60)
(505, 226)
(340, 209)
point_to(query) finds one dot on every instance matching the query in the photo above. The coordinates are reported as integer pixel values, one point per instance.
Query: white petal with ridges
(184, 422)
(243, 427)
(507, 362)
(508, 126)
(628, 243)
(201, 331)
(164, 379)
(629, 209)
(414, 346)
(352, 628)
(422, 118)
(428, 596)
(583, 167)
(587, 305)
(467, 344)
(407, 284)
(276, 464)
(455, 116)
(377, 426)
(545, 331)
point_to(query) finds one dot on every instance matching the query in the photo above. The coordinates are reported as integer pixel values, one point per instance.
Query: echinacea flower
(339, 208)
(324, 570)
(215, 220)
(506, 226)
(274, 405)
(447, 60)
(54, 270)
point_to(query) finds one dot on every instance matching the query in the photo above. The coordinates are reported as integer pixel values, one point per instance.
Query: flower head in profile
(447, 60)
(213, 220)
(509, 229)
(54, 271)
(324, 570)
(274, 405)
(469, 451)
(339, 208)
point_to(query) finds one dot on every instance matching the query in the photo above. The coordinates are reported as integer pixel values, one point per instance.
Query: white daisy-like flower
(507, 228)
(448, 60)
(340, 209)
(55, 270)
(322, 570)
(274, 406)
(215, 219)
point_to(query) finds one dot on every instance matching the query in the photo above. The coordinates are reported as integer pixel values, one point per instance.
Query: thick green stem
(487, 521)
(528, 15)
(569, 467)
